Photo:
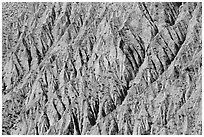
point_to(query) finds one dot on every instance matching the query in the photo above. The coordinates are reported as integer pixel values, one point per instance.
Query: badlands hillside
(101, 68)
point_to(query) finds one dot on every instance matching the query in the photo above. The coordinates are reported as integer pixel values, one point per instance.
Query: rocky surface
(102, 68)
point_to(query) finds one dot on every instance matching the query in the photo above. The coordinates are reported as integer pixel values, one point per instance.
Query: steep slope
(103, 68)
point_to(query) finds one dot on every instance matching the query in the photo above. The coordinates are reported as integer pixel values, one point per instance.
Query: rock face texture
(102, 68)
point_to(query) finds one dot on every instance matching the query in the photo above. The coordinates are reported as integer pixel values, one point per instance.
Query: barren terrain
(102, 68)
